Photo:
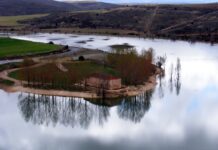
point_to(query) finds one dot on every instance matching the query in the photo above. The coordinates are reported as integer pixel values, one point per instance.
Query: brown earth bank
(187, 22)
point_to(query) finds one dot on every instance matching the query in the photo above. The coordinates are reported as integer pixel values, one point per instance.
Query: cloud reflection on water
(185, 121)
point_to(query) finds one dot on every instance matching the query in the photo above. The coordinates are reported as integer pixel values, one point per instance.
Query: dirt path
(5, 74)
(149, 24)
(61, 67)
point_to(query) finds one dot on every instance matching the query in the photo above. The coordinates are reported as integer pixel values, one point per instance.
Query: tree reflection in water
(161, 85)
(175, 79)
(134, 108)
(47, 110)
(41, 109)
(171, 78)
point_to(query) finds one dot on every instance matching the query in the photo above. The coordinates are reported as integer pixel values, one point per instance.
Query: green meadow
(14, 47)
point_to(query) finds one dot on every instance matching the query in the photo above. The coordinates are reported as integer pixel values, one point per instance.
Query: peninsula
(109, 75)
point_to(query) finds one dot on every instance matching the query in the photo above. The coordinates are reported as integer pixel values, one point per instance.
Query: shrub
(81, 58)
(66, 47)
(52, 43)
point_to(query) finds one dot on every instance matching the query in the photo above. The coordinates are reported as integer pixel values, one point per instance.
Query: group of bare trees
(133, 68)
(48, 76)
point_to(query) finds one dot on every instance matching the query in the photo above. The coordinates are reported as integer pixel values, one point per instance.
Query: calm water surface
(181, 113)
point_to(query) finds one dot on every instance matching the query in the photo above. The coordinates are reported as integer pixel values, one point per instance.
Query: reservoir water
(181, 113)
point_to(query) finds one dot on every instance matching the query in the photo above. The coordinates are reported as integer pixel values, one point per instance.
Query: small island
(87, 73)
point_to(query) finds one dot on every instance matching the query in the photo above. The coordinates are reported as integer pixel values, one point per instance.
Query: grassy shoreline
(14, 48)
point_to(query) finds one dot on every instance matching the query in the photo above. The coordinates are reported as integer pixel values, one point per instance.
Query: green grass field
(13, 47)
(86, 68)
(13, 20)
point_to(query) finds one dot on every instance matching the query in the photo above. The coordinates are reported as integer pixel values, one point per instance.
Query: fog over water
(181, 113)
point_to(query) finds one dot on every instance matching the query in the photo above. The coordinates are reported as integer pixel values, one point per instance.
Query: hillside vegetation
(28, 7)
(189, 22)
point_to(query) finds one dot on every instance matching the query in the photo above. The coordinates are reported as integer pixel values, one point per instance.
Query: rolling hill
(190, 22)
(27, 7)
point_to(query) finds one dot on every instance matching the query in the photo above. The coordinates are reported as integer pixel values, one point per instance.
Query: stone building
(103, 81)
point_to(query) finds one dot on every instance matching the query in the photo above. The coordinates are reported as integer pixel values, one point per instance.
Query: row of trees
(49, 76)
